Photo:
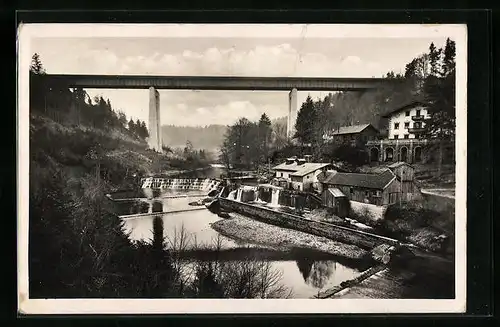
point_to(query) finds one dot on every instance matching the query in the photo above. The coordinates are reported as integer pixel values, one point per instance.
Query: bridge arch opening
(389, 154)
(374, 153)
(403, 154)
(418, 154)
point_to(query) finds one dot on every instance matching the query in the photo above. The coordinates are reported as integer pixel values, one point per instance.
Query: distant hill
(209, 137)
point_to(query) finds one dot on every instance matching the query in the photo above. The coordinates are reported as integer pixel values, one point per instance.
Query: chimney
(290, 161)
(308, 157)
(300, 162)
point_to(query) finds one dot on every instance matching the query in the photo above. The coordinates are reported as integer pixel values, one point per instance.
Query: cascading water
(257, 197)
(275, 197)
(148, 192)
(175, 183)
(219, 195)
(205, 184)
(232, 195)
(239, 194)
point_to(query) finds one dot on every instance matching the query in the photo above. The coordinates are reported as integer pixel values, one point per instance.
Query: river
(212, 171)
(304, 272)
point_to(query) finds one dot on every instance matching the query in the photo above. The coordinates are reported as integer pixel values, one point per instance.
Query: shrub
(426, 238)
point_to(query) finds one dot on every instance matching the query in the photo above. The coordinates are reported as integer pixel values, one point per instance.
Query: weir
(205, 185)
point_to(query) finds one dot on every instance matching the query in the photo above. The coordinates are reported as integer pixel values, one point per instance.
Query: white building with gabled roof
(300, 174)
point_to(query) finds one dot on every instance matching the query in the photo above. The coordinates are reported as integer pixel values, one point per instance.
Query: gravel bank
(246, 229)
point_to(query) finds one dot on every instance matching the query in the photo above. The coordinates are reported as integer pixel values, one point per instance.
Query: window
(351, 190)
(417, 125)
(407, 113)
(406, 136)
(418, 112)
(366, 193)
(396, 125)
(396, 136)
(407, 125)
(374, 193)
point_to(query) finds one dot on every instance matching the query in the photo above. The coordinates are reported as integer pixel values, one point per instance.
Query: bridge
(153, 83)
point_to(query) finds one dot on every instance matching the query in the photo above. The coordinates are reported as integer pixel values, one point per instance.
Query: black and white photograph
(175, 168)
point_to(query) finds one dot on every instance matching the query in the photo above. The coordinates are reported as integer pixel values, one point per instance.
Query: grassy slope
(68, 148)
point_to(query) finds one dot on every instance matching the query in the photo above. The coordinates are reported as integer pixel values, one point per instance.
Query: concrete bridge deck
(215, 82)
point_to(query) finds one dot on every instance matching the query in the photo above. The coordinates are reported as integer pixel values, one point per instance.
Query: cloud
(211, 107)
(352, 60)
(275, 60)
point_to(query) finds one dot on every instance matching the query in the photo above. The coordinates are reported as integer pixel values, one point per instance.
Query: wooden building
(405, 173)
(334, 199)
(379, 189)
(356, 135)
(384, 187)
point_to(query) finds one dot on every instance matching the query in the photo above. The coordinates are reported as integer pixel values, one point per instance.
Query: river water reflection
(304, 274)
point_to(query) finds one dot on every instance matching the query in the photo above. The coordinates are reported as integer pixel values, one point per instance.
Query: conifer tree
(131, 126)
(36, 65)
(264, 134)
(434, 55)
(306, 117)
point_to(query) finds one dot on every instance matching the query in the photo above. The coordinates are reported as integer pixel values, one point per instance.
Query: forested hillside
(429, 77)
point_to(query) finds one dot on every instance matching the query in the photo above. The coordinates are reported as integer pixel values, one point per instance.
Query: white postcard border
(166, 306)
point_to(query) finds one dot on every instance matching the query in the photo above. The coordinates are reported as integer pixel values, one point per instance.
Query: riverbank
(249, 230)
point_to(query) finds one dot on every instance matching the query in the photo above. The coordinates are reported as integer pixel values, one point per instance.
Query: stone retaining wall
(342, 234)
(349, 283)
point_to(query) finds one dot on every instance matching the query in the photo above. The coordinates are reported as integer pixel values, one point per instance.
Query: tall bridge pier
(155, 141)
(292, 113)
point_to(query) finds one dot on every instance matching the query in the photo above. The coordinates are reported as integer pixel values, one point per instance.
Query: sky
(223, 56)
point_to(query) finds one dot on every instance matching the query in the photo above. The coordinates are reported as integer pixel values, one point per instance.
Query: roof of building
(398, 164)
(354, 129)
(373, 181)
(336, 192)
(408, 105)
(308, 168)
(383, 167)
(312, 166)
(374, 170)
